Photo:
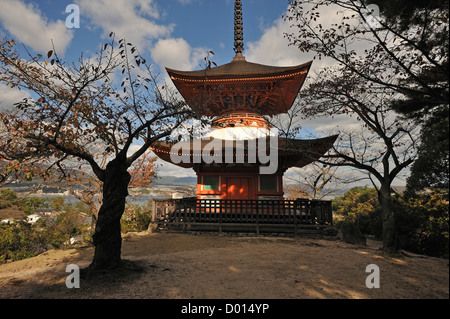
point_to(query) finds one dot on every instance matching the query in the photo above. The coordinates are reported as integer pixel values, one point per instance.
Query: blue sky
(189, 26)
(170, 33)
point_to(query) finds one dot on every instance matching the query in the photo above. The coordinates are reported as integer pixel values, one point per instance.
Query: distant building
(47, 212)
(33, 218)
(8, 221)
(398, 190)
(177, 195)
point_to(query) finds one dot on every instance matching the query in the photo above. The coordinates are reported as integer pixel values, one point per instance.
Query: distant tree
(18, 241)
(423, 223)
(89, 193)
(319, 181)
(294, 190)
(359, 206)
(136, 218)
(430, 171)
(8, 198)
(79, 113)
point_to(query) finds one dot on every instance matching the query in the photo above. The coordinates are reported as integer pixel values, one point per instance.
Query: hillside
(172, 266)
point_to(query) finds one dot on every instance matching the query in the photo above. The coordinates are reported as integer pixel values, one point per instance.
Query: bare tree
(354, 36)
(320, 181)
(378, 141)
(376, 62)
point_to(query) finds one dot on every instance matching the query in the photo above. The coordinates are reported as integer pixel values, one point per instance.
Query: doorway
(238, 188)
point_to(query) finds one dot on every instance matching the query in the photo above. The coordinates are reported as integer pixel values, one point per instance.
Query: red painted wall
(238, 186)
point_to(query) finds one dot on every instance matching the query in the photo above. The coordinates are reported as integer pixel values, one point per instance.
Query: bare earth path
(229, 267)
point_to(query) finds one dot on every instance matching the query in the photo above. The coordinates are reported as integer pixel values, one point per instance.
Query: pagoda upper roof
(241, 86)
(239, 68)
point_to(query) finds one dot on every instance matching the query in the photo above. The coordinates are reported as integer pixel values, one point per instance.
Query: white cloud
(176, 54)
(29, 26)
(136, 21)
(9, 96)
(273, 48)
(133, 19)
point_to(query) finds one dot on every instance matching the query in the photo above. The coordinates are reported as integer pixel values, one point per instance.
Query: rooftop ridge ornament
(238, 31)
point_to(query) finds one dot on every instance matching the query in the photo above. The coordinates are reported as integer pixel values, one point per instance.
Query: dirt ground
(206, 266)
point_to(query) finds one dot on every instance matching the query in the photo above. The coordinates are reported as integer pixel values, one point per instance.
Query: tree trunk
(388, 220)
(107, 237)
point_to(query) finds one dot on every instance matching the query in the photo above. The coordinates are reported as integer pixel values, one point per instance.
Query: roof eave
(199, 74)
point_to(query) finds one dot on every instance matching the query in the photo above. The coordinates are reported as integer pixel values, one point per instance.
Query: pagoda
(239, 97)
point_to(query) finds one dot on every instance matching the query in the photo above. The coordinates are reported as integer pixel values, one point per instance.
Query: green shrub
(135, 218)
(421, 220)
(29, 205)
(422, 224)
(358, 206)
(22, 240)
(19, 241)
(8, 198)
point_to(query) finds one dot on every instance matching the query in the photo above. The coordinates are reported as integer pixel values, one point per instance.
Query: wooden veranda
(274, 216)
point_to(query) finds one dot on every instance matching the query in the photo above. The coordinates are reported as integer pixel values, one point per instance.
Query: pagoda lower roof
(291, 152)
